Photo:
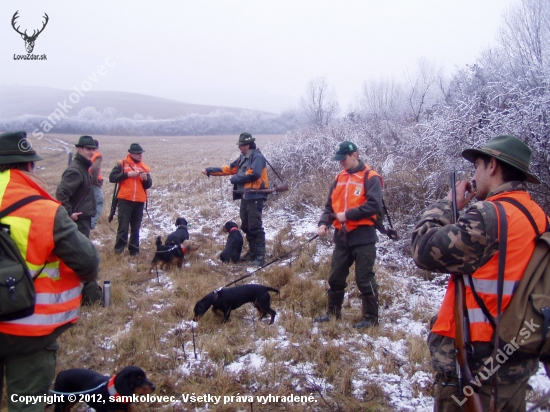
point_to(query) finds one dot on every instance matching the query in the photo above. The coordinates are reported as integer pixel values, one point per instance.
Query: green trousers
(31, 374)
(511, 398)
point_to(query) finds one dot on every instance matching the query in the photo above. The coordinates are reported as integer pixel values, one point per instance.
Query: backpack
(526, 320)
(17, 294)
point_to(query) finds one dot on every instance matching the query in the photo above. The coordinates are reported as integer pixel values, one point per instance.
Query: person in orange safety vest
(59, 258)
(354, 201)
(470, 248)
(133, 178)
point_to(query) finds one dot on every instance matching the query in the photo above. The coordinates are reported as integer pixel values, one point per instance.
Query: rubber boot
(250, 255)
(335, 301)
(369, 304)
(260, 250)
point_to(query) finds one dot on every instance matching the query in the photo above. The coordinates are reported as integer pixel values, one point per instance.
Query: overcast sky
(257, 54)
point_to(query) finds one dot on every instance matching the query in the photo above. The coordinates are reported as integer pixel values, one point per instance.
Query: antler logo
(29, 40)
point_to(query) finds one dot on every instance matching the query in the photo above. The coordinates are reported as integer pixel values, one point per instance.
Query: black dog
(131, 380)
(179, 235)
(227, 299)
(172, 248)
(166, 254)
(234, 246)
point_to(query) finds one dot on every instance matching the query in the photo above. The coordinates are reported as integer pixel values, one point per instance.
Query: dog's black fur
(172, 248)
(234, 246)
(227, 299)
(130, 380)
(179, 235)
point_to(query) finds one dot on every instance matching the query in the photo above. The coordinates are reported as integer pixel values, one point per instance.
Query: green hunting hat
(86, 141)
(135, 148)
(16, 148)
(343, 149)
(245, 138)
(509, 150)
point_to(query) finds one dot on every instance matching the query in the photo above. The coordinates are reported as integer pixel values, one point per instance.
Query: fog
(254, 54)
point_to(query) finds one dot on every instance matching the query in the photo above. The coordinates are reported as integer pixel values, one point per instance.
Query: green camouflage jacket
(462, 248)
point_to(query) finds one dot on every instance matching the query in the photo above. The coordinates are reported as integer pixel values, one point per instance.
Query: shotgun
(114, 203)
(462, 339)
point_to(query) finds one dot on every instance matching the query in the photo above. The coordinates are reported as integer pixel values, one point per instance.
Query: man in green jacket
(75, 190)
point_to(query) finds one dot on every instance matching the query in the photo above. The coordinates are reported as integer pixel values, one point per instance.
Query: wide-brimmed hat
(86, 141)
(16, 148)
(507, 149)
(245, 138)
(343, 149)
(135, 148)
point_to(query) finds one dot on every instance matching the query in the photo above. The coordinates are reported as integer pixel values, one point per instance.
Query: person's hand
(464, 194)
(204, 172)
(341, 216)
(75, 215)
(143, 176)
(322, 230)
(133, 173)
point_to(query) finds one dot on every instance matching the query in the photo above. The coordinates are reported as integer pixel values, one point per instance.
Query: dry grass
(148, 323)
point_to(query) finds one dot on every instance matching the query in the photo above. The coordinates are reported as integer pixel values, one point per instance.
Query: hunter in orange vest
(354, 201)
(469, 248)
(59, 258)
(133, 179)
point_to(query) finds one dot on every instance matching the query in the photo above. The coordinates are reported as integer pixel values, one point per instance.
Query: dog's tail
(270, 289)
(158, 242)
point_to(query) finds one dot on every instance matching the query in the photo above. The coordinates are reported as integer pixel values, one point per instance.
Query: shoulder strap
(19, 204)
(524, 210)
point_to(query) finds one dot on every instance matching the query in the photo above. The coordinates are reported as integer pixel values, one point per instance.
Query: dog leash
(270, 263)
(79, 393)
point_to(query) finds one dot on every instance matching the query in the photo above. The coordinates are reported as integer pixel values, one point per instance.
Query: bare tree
(424, 88)
(525, 38)
(320, 103)
(382, 99)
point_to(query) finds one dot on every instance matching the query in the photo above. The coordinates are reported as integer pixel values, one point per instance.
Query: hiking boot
(250, 255)
(259, 242)
(335, 301)
(366, 323)
(369, 307)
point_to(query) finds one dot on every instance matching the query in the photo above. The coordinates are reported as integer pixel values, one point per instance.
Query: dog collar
(233, 229)
(112, 391)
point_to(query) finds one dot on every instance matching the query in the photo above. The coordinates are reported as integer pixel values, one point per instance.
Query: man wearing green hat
(354, 201)
(58, 257)
(470, 248)
(75, 191)
(249, 173)
(133, 179)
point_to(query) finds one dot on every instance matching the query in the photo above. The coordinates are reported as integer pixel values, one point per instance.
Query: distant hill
(21, 100)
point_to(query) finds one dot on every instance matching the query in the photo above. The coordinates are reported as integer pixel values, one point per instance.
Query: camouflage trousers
(511, 397)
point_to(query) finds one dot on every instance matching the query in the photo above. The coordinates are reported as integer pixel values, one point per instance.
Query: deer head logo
(29, 40)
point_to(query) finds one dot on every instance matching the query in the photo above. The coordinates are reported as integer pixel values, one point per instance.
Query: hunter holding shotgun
(249, 178)
(469, 249)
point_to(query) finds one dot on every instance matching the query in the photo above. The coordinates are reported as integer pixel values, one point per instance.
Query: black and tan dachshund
(226, 299)
(234, 246)
(99, 388)
(172, 249)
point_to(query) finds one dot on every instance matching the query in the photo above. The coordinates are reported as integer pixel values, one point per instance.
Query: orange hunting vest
(132, 189)
(31, 227)
(97, 153)
(349, 193)
(519, 248)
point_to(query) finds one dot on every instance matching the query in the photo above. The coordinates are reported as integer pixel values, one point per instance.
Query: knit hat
(16, 148)
(86, 141)
(509, 150)
(245, 138)
(135, 148)
(343, 149)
